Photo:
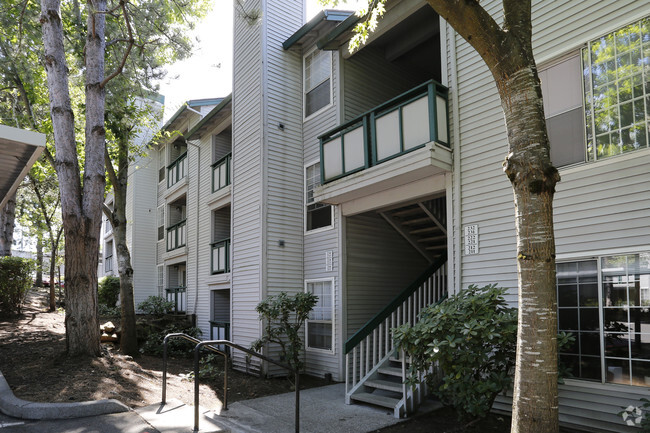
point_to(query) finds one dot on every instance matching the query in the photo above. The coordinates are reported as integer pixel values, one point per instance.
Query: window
(319, 215)
(161, 166)
(561, 88)
(161, 279)
(318, 89)
(605, 303)
(161, 223)
(319, 325)
(616, 85)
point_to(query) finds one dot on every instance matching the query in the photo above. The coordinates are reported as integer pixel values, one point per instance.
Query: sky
(208, 72)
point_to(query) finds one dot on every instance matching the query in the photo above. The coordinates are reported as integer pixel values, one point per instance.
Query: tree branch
(129, 47)
(110, 170)
(476, 26)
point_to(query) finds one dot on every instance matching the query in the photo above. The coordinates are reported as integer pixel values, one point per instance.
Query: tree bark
(7, 223)
(39, 261)
(508, 54)
(80, 206)
(117, 217)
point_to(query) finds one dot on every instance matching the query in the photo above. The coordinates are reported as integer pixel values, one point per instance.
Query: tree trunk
(507, 51)
(39, 261)
(528, 166)
(80, 208)
(53, 257)
(117, 218)
(7, 222)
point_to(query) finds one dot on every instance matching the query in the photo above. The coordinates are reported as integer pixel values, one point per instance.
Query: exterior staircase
(422, 224)
(375, 371)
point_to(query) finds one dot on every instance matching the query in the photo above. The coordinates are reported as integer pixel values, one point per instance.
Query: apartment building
(373, 180)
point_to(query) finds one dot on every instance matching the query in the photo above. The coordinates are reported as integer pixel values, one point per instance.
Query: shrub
(15, 282)
(153, 344)
(108, 291)
(156, 306)
(472, 336)
(283, 316)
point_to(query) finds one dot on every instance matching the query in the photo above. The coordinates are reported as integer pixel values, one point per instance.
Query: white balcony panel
(415, 123)
(430, 160)
(387, 133)
(441, 117)
(353, 149)
(332, 156)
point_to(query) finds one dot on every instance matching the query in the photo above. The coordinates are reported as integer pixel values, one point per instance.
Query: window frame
(160, 213)
(305, 116)
(598, 257)
(307, 204)
(585, 49)
(332, 351)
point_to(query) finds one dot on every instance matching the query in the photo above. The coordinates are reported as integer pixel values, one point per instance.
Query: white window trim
(332, 351)
(304, 89)
(304, 195)
(162, 155)
(164, 225)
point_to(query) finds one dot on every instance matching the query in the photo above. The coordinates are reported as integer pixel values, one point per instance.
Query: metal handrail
(197, 349)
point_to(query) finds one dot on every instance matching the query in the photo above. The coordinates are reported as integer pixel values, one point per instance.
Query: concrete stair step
(385, 385)
(379, 400)
(391, 371)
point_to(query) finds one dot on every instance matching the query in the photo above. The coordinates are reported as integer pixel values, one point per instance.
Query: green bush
(156, 306)
(153, 344)
(15, 282)
(472, 336)
(283, 316)
(108, 291)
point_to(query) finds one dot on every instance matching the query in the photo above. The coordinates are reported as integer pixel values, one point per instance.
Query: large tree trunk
(7, 222)
(81, 208)
(507, 51)
(128, 337)
(39, 261)
(528, 166)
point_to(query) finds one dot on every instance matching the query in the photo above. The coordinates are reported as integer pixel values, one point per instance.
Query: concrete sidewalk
(321, 410)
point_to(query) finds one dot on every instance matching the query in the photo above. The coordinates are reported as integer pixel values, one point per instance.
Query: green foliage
(15, 282)
(153, 344)
(104, 310)
(472, 337)
(156, 306)
(211, 367)
(637, 415)
(108, 291)
(283, 316)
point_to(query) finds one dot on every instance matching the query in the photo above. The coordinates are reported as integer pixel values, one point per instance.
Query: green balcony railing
(220, 256)
(178, 296)
(176, 235)
(221, 173)
(177, 170)
(398, 126)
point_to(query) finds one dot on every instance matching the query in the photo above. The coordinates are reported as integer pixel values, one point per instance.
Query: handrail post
(297, 420)
(225, 381)
(164, 375)
(196, 387)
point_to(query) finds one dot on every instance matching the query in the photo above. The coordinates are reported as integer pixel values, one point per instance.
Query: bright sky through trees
(208, 73)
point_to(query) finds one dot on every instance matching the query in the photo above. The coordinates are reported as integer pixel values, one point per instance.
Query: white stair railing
(374, 342)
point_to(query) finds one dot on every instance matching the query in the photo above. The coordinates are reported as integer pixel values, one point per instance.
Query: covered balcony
(177, 170)
(401, 141)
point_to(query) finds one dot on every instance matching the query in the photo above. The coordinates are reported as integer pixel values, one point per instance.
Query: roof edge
(333, 15)
(225, 101)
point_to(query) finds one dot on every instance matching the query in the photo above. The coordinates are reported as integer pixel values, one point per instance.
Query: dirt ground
(34, 363)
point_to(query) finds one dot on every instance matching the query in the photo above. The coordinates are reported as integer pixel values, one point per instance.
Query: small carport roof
(19, 149)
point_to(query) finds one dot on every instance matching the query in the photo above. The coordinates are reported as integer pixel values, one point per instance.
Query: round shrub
(108, 291)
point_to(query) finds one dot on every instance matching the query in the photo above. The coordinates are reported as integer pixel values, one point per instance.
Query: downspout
(456, 165)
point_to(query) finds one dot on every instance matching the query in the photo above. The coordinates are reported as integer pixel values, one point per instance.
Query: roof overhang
(215, 117)
(19, 149)
(317, 26)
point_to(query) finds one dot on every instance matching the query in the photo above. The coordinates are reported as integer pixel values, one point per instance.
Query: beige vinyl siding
(380, 264)
(283, 157)
(142, 229)
(247, 177)
(598, 206)
(267, 165)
